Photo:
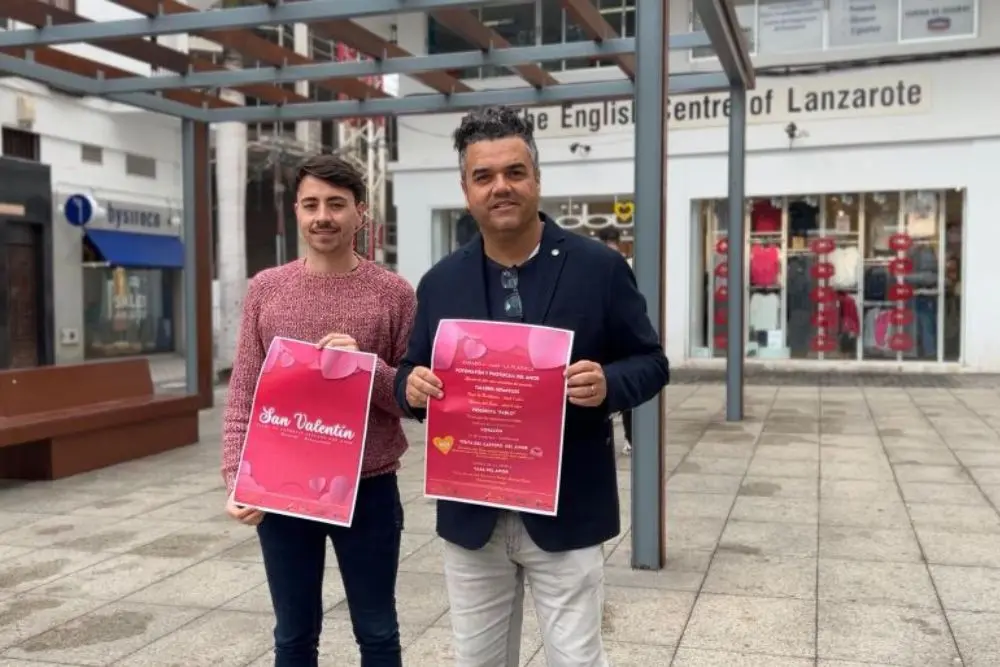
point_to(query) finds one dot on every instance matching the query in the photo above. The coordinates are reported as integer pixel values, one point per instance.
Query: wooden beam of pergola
(365, 41)
(464, 24)
(67, 62)
(258, 48)
(39, 14)
(596, 27)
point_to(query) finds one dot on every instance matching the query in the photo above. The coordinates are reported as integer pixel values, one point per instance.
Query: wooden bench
(57, 421)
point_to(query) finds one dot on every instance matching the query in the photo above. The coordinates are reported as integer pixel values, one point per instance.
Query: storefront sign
(774, 101)
(94, 212)
(120, 217)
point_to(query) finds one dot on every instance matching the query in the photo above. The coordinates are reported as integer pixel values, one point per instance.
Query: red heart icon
(901, 266)
(823, 294)
(900, 242)
(822, 245)
(821, 320)
(720, 316)
(900, 292)
(721, 341)
(722, 246)
(901, 317)
(900, 342)
(721, 293)
(822, 270)
(722, 270)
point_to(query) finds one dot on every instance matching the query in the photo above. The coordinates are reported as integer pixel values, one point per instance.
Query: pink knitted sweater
(371, 304)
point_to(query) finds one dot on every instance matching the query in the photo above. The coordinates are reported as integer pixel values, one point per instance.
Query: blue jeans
(368, 556)
(925, 312)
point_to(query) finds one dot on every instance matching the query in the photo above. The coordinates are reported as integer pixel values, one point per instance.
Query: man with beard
(522, 267)
(339, 299)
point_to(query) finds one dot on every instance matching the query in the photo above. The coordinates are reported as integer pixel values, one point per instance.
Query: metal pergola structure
(190, 90)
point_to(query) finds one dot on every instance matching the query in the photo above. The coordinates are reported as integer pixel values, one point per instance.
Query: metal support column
(190, 277)
(648, 525)
(736, 258)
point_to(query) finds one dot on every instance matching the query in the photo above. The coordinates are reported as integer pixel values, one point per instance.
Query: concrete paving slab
(837, 526)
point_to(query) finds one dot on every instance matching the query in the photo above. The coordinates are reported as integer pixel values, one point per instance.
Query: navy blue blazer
(590, 289)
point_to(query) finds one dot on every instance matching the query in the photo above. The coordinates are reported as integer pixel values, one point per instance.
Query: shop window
(128, 311)
(845, 276)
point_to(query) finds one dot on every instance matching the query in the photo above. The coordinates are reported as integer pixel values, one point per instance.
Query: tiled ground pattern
(837, 526)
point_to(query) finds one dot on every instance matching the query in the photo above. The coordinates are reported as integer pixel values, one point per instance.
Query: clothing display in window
(925, 265)
(846, 261)
(888, 287)
(799, 283)
(765, 310)
(803, 221)
(765, 217)
(765, 265)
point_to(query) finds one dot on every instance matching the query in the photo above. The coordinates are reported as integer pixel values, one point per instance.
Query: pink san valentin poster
(496, 437)
(306, 438)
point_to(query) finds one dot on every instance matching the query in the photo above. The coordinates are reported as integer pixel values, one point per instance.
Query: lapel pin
(555, 253)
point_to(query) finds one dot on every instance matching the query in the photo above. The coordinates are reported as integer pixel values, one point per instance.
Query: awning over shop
(138, 250)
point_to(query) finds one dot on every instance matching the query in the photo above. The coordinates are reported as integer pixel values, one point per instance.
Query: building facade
(870, 192)
(112, 243)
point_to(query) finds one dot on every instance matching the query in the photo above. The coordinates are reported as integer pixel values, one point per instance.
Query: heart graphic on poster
(286, 359)
(340, 489)
(494, 338)
(546, 348)
(474, 349)
(270, 360)
(317, 484)
(444, 444)
(446, 345)
(335, 364)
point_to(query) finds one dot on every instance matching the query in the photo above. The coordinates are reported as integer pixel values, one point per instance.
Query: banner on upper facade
(786, 100)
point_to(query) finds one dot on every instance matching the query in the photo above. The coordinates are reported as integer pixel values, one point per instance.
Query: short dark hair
(609, 235)
(334, 170)
(490, 124)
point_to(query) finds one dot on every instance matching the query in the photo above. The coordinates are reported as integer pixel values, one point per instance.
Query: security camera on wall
(576, 148)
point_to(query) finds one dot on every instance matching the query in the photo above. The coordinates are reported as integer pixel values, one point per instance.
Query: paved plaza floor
(837, 526)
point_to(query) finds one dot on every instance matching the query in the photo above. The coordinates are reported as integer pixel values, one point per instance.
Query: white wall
(950, 139)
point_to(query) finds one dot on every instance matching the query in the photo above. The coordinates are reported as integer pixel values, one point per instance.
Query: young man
(522, 267)
(610, 237)
(337, 298)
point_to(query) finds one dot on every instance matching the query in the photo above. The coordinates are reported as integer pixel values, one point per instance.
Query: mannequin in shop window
(611, 237)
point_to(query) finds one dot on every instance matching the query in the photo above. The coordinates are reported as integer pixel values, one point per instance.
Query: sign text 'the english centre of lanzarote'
(773, 101)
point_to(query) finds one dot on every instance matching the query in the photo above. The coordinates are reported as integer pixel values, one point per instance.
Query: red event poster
(496, 438)
(306, 437)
